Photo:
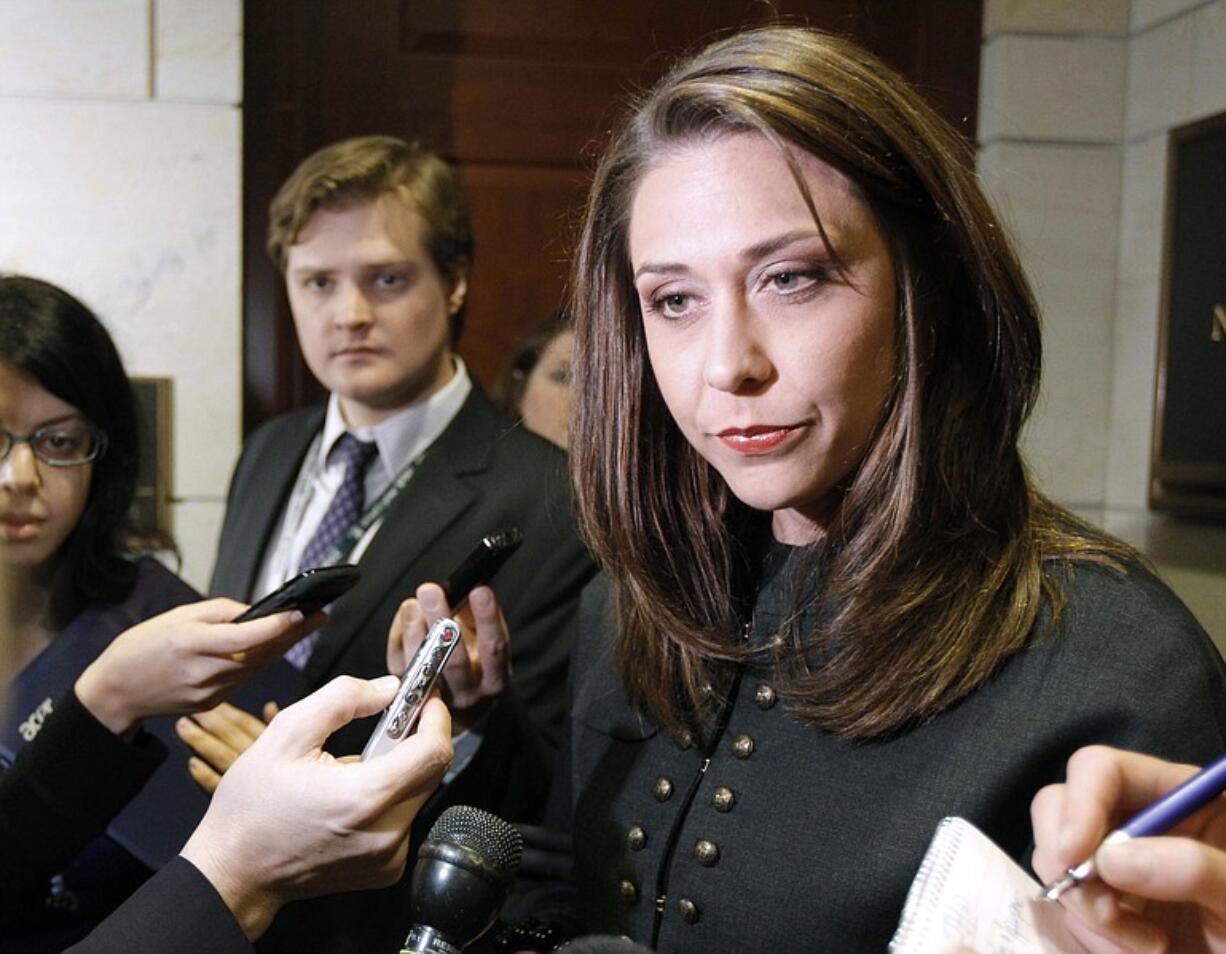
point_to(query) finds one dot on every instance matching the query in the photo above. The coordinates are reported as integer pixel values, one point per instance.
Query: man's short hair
(355, 171)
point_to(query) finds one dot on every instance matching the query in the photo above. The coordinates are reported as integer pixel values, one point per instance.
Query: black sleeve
(544, 893)
(175, 910)
(62, 790)
(543, 615)
(521, 733)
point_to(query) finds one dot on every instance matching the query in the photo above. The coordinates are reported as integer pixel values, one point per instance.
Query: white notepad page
(971, 895)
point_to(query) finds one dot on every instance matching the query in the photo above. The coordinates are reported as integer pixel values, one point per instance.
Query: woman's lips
(759, 439)
(19, 529)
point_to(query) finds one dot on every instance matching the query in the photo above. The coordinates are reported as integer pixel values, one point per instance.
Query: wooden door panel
(523, 217)
(515, 112)
(622, 32)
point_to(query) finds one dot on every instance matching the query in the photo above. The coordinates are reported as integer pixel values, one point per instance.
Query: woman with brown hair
(838, 608)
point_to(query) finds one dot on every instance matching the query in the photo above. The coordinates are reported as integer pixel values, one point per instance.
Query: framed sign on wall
(151, 505)
(1188, 464)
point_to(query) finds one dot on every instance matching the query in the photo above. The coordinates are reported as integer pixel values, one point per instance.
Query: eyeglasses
(69, 444)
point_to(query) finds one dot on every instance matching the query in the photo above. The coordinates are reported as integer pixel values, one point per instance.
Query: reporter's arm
(175, 910)
(64, 787)
(186, 659)
(289, 821)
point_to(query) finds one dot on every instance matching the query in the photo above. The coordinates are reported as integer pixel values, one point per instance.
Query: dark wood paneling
(529, 281)
(514, 93)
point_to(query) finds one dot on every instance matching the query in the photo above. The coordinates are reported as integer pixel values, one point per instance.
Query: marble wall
(1076, 100)
(120, 160)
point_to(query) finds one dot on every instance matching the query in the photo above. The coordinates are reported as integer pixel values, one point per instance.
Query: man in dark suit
(374, 240)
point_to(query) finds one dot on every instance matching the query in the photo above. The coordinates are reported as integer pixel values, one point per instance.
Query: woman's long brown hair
(941, 556)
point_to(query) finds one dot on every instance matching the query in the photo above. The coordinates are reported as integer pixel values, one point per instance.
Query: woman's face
(545, 405)
(775, 367)
(39, 504)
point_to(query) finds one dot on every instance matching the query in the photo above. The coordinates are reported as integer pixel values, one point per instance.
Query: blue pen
(1165, 813)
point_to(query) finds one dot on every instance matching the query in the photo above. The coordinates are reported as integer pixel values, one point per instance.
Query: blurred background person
(89, 757)
(534, 386)
(68, 465)
(292, 822)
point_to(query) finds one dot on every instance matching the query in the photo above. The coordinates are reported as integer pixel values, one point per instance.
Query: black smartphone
(479, 567)
(309, 591)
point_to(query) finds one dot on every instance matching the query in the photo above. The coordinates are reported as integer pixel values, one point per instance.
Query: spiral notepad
(970, 895)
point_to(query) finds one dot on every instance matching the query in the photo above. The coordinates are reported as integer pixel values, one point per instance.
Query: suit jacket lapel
(273, 470)
(431, 502)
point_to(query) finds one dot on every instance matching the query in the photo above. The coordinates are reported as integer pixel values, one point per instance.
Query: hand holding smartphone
(309, 591)
(422, 673)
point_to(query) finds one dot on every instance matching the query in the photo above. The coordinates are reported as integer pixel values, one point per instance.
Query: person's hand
(289, 821)
(218, 736)
(1151, 894)
(186, 659)
(477, 672)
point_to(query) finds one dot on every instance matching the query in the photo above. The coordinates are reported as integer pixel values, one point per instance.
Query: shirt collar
(407, 433)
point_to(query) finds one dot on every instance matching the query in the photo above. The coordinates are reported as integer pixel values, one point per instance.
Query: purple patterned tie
(342, 513)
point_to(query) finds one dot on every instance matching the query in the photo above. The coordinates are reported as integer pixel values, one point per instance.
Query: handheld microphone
(461, 878)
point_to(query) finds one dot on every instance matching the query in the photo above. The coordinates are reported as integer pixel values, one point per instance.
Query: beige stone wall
(1076, 100)
(120, 160)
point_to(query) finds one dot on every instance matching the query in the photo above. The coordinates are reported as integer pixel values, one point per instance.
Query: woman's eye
(670, 305)
(792, 279)
(389, 280)
(318, 282)
(61, 444)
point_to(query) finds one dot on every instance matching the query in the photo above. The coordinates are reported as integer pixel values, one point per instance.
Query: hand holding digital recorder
(419, 678)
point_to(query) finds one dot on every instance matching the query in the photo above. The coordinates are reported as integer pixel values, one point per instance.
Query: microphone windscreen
(463, 872)
(487, 835)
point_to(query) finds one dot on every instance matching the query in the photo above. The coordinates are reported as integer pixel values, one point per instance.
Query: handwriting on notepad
(971, 898)
(1009, 932)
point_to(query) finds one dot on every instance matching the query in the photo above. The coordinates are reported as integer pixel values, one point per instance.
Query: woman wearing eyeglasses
(68, 464)
(68, 453)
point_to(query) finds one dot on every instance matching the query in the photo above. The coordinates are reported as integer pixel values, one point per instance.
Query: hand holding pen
(1182, 874)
